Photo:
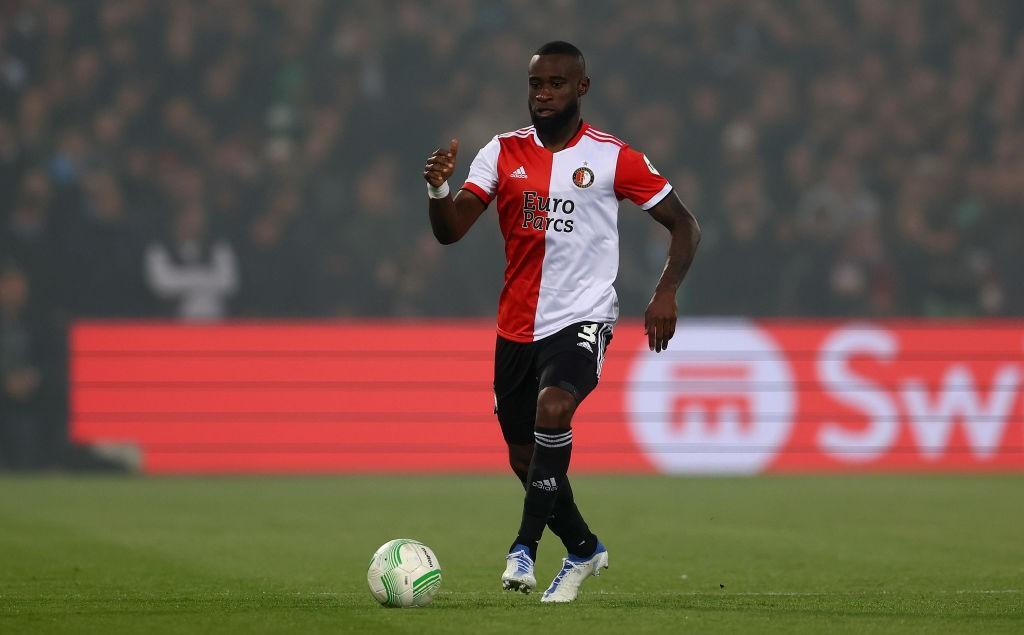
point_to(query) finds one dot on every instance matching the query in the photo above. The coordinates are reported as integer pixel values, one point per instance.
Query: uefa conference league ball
(404, 573)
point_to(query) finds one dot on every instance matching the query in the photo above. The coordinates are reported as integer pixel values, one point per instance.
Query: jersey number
(588, 332)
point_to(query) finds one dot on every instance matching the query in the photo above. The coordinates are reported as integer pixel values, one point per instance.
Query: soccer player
(558, 184)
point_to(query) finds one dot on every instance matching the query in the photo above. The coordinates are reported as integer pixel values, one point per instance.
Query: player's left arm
(661, 314)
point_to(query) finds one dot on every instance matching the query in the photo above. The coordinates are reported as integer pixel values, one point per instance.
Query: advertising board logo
(719, 401)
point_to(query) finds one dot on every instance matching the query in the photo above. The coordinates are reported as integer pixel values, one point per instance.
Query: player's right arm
(450, 218)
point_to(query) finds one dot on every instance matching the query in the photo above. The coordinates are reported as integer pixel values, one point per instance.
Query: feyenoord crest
(583, 177)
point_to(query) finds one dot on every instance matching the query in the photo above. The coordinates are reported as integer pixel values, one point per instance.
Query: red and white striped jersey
(558, 213)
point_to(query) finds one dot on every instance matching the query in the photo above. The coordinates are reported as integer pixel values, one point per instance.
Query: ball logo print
(722, 402)
(583, 177)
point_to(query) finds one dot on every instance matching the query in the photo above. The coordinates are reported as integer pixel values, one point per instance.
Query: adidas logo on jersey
(519, 173)
(548, 485)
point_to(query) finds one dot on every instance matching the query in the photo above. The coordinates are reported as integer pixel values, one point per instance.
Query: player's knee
(519, 457)
(518, 467)
(555, 408)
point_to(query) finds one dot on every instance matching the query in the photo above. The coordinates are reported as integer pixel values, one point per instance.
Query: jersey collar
(575, 139)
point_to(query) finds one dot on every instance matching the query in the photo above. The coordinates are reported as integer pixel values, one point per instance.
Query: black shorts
(570, 359)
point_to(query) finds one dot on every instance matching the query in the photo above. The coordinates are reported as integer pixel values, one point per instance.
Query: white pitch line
(818, 593)
(796, 594)
(990, 591)
(722, 592)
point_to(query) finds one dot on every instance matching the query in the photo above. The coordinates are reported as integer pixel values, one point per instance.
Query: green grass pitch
(777, 554)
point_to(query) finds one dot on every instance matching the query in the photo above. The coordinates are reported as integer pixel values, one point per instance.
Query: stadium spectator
(728, 290)
(196, 273)
(28, 236)
(103, 252)
(22, 378)
(278, 257)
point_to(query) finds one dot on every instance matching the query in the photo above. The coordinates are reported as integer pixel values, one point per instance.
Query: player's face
(556, 85)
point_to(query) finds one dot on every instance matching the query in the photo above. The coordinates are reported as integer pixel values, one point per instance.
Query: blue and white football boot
(518, 574)
(574, 571)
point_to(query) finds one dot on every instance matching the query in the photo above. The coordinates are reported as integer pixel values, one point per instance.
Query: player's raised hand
(660, 320)
(441, 164)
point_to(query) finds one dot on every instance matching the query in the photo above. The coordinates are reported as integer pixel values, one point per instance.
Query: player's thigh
(572, 359)
(515, 390)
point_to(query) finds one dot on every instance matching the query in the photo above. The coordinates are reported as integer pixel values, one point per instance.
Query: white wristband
(438, 192)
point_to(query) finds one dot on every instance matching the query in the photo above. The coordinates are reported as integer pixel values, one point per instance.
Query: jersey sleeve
(637, 180)
(483, 172)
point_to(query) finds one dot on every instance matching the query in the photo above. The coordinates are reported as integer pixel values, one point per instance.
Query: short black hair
(559, 47)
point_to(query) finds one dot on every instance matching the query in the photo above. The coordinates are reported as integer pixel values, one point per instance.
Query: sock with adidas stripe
(551, 451)
(566, 521)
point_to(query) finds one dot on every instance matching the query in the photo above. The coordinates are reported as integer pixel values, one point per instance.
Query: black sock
(567, 523)
(546, 477)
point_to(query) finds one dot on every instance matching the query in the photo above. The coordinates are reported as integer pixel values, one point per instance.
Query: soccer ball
(404, 573)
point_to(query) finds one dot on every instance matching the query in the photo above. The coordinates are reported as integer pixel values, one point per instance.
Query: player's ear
(584, 87)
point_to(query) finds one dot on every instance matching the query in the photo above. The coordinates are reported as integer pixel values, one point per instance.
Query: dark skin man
(557, 83)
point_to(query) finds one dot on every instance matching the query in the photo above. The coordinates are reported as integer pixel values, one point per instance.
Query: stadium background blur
(861, 158)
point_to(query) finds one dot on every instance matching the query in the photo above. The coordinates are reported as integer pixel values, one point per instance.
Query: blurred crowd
(203, 159)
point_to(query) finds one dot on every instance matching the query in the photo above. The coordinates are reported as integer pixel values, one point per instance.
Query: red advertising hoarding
(729, 396)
